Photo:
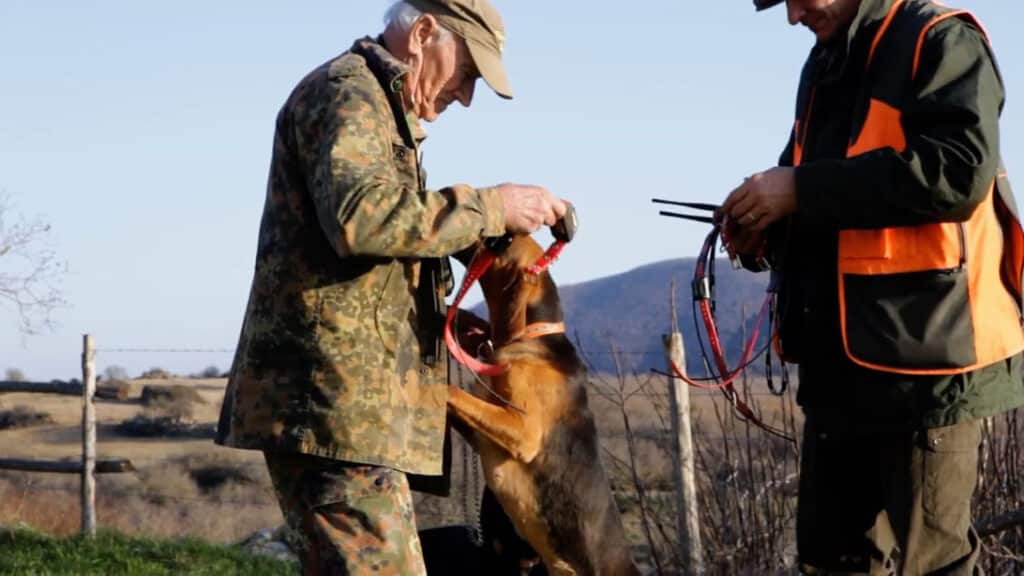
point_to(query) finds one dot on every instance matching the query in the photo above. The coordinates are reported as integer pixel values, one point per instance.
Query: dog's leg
(507, 428)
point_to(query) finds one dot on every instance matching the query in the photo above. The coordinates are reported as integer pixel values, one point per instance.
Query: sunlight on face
(826, 18)
(448, 74)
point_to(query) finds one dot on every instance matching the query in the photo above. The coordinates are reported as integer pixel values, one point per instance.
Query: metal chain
(471, 493)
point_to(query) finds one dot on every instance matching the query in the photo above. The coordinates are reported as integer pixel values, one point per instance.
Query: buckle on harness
(703, 288)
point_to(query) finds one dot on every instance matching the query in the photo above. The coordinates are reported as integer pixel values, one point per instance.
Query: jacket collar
(831, 58)
(870, 13)
(391, 73)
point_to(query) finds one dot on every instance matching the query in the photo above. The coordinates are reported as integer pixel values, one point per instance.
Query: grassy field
(186, 486)
(29, 552)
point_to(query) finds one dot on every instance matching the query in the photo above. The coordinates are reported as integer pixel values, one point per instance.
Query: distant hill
(629, 312)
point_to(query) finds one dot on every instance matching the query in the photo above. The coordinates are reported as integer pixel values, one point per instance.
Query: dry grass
(163, 498)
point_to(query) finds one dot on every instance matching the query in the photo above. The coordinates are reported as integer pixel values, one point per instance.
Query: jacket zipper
(804, 128)
(961, 231)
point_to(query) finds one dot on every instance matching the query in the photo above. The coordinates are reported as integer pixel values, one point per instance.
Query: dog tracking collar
(538, 329)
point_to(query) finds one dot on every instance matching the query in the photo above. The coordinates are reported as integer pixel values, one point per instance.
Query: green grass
(27, 552)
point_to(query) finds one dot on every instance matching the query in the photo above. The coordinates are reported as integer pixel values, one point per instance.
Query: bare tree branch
(29, 271)
(1000, 523)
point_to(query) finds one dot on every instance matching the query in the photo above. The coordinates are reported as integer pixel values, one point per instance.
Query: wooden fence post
(687, 518)
(88, 437)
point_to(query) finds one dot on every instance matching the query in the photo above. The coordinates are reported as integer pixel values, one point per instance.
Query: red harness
(481, 262)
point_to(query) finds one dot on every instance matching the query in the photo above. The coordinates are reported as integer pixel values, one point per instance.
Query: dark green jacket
(330, 360)
(951, 118)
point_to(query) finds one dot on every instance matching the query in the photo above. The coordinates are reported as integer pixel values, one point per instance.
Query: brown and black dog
(539, 449)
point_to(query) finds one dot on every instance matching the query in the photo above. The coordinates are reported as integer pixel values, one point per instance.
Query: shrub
(14, 375)
(115, 373)
(156, 374)
(23, 417)
(155, 426)
(114, 390)
(210, 372)
(210, 477)
(173, 401)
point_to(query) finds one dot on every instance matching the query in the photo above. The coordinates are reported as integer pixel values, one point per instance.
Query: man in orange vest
(893, 233)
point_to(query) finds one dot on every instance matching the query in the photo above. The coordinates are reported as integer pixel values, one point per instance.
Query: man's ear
(423, 31)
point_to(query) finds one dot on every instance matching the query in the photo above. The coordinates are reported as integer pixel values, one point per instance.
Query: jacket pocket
(406, 163)
(912, 320)
(394, 303)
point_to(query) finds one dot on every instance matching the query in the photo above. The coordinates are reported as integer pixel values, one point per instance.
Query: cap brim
(490, 67)
(766, 4)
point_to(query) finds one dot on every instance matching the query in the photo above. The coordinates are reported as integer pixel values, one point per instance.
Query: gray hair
(402, 15)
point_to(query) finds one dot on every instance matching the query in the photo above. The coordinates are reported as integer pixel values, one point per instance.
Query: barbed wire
(119, 492)
(168, 350)
(198, 349)
(225, 350)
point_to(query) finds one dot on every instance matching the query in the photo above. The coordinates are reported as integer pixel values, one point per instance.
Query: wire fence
(120, 492)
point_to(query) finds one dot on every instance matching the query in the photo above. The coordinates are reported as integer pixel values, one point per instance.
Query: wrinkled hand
(472, 331)
(527, 208)
(762, 199)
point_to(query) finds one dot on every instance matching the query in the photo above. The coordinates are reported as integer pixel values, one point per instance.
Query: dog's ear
(511, 305)
(544, 304)
(499, 285)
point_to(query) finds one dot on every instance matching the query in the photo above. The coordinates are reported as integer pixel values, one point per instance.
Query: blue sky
(141, 131)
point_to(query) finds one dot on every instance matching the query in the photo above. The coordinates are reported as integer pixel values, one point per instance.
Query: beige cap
(479, 24)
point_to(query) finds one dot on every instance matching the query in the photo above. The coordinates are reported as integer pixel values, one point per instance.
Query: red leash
(549, 257)
(703, 283)
(481, 262)
(728, 376)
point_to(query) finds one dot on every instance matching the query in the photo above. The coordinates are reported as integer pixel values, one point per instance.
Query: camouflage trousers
(888, 504)
(347, 519)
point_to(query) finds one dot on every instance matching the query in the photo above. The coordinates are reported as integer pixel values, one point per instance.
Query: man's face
(446, 74)
(826, 18)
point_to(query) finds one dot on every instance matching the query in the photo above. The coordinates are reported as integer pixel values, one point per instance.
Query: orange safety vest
(938, 298)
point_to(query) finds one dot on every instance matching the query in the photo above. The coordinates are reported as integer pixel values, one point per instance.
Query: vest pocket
(913, 320)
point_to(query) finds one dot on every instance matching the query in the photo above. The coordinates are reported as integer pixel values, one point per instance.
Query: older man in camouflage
(340, 376)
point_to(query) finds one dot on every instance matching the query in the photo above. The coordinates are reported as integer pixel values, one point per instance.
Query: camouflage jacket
(329, 360)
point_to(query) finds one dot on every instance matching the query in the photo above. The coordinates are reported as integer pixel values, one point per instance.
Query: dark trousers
(894, 502)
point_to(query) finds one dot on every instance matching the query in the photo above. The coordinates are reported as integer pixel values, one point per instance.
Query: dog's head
(516, 297)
